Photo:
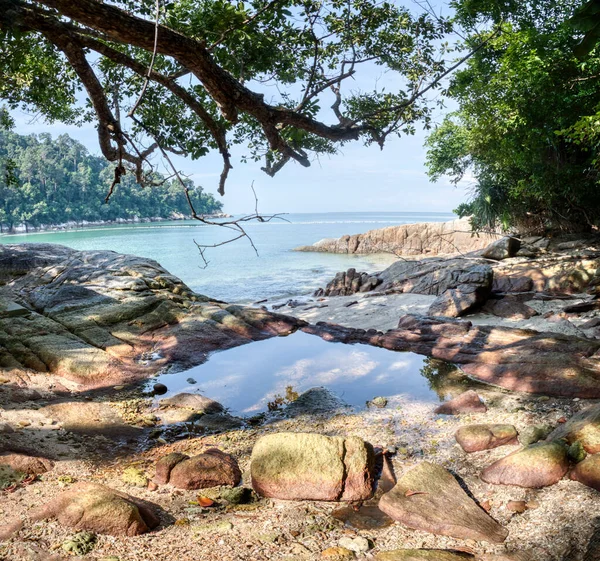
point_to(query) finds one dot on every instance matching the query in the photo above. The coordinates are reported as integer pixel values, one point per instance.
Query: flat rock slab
(429, 498)
(515, 359)
(588, 472)
(95, 313)
(467, 402)
(583, 427)
(10, 309)
(100, 509)
(475, 438)
(298, 466)
(210, 469)
(535, 466)
(422, 555)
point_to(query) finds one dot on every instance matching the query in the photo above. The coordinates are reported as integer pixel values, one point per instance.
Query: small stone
(118, 388)
(337, 554)
(357, 544)
(378, 401)
(191, 381)
(474, 438)
(80, 544)
(533, 434)
(152, 486)
(237, 495)
(516, 506)
(135, 476)
(160, 389)
(467, 402)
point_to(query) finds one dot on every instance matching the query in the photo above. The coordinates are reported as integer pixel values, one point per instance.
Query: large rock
(431, 238)
(429, 498)
(472, 289)
(88, 506)
(312, 466)
(583, 427)
(538, 465)
(196, 402)
(502, 249)
(515, 359)
(349, 282)
(92, 314)
(588, 472)
(24, 463)
(474, 438)
(466, 402)
(210, 469)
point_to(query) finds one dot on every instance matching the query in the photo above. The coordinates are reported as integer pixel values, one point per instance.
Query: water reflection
(247, 379)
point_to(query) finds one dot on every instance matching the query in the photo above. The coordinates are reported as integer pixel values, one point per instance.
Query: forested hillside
(53, 181)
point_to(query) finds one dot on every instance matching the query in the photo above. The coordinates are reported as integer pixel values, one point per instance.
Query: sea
(236, 272)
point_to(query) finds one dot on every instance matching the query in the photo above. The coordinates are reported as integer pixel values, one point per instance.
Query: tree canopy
(193, 76)
(527, 122)
(46, 181)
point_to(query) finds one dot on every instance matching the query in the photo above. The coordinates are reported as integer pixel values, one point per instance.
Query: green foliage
(53, 181)
(519, 127)
(288, 53)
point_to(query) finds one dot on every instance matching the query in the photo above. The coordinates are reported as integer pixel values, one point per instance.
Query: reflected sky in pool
(246, 378)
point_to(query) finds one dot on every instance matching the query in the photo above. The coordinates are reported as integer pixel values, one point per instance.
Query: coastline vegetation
(47, 181)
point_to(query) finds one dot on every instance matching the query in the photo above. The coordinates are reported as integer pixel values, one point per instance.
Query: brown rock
(516, 506)
(538, 465)
(309, 466)
(516, 359)
(165, 465)
(429, 498)
(31, 465)
(210, 469)
(588, 472)
(474, 438)
(196, 402)
(467, 402)
(88, 506)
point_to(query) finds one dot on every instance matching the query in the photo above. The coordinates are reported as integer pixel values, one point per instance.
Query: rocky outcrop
(466, 291)
(429, 498)
(310, 466)
(210, 469)
(90, 316)
(349, 282)
(475, 438)
(467, 402)
(88, 506)
(538, 465)
(431, 238)
(515, 359)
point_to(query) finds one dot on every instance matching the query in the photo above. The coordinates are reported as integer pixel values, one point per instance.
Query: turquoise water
(245, 379)
(235, 273)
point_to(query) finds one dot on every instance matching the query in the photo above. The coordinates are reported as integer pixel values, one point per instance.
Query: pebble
(160, 389)
(358, 544)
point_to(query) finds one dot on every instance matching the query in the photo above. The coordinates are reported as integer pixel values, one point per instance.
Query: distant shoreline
(84, 224)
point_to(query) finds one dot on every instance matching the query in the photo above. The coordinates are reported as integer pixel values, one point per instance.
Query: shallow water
(247, 378)
(235, 272)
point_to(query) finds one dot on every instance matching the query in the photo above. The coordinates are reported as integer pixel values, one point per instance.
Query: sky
(359, 178)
